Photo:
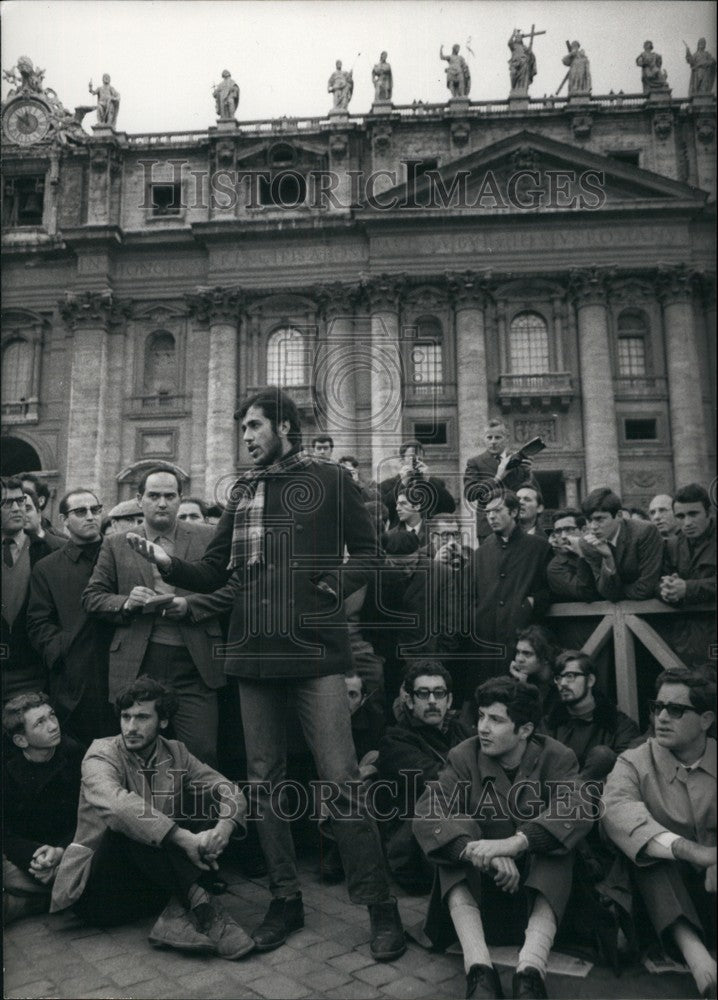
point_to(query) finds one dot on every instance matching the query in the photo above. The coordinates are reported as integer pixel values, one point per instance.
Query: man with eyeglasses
(73, 645)
(22, 668)
(156, 638)
(413, 752)
(624, 556)
(569, 575)
(660, 810)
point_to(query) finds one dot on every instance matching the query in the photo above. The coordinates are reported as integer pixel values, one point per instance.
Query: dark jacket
(411, 745)
(482, 812)
(570, 578)
(505, 576)
(692, 634)
(282, 624)
(73, 645)
(118, 569)
(405, 607)
(638, 556)
(22, 667)
(435, 497)
(39, 801)
(609, 727)
(480, 476)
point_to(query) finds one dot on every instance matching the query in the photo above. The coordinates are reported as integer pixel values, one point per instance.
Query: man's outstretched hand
(148, 550)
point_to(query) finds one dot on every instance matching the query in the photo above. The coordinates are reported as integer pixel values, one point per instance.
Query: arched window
(528, 344)
(17, 371)
(427, 363)
(160, 363)
(631, 353)
(285, 358)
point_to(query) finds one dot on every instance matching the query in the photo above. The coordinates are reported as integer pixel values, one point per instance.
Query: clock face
(26, 122)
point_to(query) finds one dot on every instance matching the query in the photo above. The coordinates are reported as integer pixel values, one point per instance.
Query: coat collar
(670, 767)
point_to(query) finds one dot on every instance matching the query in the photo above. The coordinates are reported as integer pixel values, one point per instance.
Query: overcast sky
(165, 55)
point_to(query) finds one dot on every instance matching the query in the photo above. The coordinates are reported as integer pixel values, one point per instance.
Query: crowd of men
(459, 749)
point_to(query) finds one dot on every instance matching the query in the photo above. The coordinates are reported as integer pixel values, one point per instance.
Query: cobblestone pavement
(54, 956)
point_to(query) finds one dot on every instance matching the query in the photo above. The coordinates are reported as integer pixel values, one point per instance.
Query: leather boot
(483, 983)
(282, 917)
(230, 940)
(174, 928)
(387, 933)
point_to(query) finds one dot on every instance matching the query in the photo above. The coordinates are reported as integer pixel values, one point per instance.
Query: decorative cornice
(589, 286)
(337, 298)
(468, 289)
(91, 308)
(218, 304)
(384, 291)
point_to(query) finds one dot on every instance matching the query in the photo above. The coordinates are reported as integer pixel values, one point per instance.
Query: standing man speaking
(274, 562)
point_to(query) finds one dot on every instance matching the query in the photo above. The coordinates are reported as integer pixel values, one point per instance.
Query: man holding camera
(426, 492)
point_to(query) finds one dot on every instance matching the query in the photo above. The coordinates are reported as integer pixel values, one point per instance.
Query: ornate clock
(26, 121)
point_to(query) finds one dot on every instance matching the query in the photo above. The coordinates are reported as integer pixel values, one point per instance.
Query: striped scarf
(247, 503)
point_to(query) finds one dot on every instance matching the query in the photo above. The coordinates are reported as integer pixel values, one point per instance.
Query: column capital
(215, 305)
(589, 286)
(676, 284)
(337, 298)
(384, 292)
(468, 289)
(93, 308)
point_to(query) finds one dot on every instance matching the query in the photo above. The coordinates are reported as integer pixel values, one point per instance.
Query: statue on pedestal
(341, 87)
(26, 79)
(579, 70)
(522, 64)
(108, 101)
(653, 77)
(458, 77)
(703, 69)
(226, 96)
(382, 79)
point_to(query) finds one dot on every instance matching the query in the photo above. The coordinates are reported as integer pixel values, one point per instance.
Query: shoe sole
(239, 954)
(388, 956)
(197, 949)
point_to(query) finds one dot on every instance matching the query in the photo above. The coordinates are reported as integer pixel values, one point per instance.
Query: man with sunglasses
(413, 752)
(22, 668)
(74, 646)
(660, 810)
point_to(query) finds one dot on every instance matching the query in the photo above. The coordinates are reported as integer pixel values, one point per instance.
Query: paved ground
(57, 957)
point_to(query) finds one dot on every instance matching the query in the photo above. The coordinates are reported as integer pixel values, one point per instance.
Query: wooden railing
(622, 624)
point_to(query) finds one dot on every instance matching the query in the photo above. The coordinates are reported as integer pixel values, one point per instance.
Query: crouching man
(501, 822)
(130, 855)
(660, 810)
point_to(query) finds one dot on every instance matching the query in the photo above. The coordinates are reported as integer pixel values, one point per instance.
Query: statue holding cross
(522, 64)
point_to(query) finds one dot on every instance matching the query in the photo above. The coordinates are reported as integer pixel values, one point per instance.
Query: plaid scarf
(247, 503)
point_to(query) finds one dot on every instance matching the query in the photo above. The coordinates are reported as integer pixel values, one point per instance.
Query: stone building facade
(408, 272)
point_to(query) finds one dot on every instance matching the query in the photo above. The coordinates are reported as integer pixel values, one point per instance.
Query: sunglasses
(11, 502)
(675, 711)
(82, 511)
(423, 694)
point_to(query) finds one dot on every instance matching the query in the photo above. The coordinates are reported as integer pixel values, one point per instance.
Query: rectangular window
(23, 199)
(426, 364)
(631, 357)
(166, 200)
(433, 433)
(641, 429)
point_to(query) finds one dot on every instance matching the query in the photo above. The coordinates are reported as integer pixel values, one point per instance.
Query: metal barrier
(624, 622)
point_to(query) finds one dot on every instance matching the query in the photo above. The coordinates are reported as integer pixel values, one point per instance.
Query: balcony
(640, 387)
(161, 404)
(25, 411)
(544, 392)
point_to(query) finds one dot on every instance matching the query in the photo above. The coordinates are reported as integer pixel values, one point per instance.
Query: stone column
(600, 438)
(688, 429)
(220, 309)
(557, 305)
(385, 429)
(90, 315)
(334, 378)
(472, 390)
(570, 480)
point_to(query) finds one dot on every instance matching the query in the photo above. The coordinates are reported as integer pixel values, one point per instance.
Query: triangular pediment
(528, 172)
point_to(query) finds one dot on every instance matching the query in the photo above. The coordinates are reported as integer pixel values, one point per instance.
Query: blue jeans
(323, 709)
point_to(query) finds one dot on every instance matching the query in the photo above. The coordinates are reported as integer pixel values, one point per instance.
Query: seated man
(660, 810)
(584, 720)
(130, 855)
(497, 871)
(569, 575)
(41, 787)
(689, 575)
(533, 662)
(412, 753)
(624, 556)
